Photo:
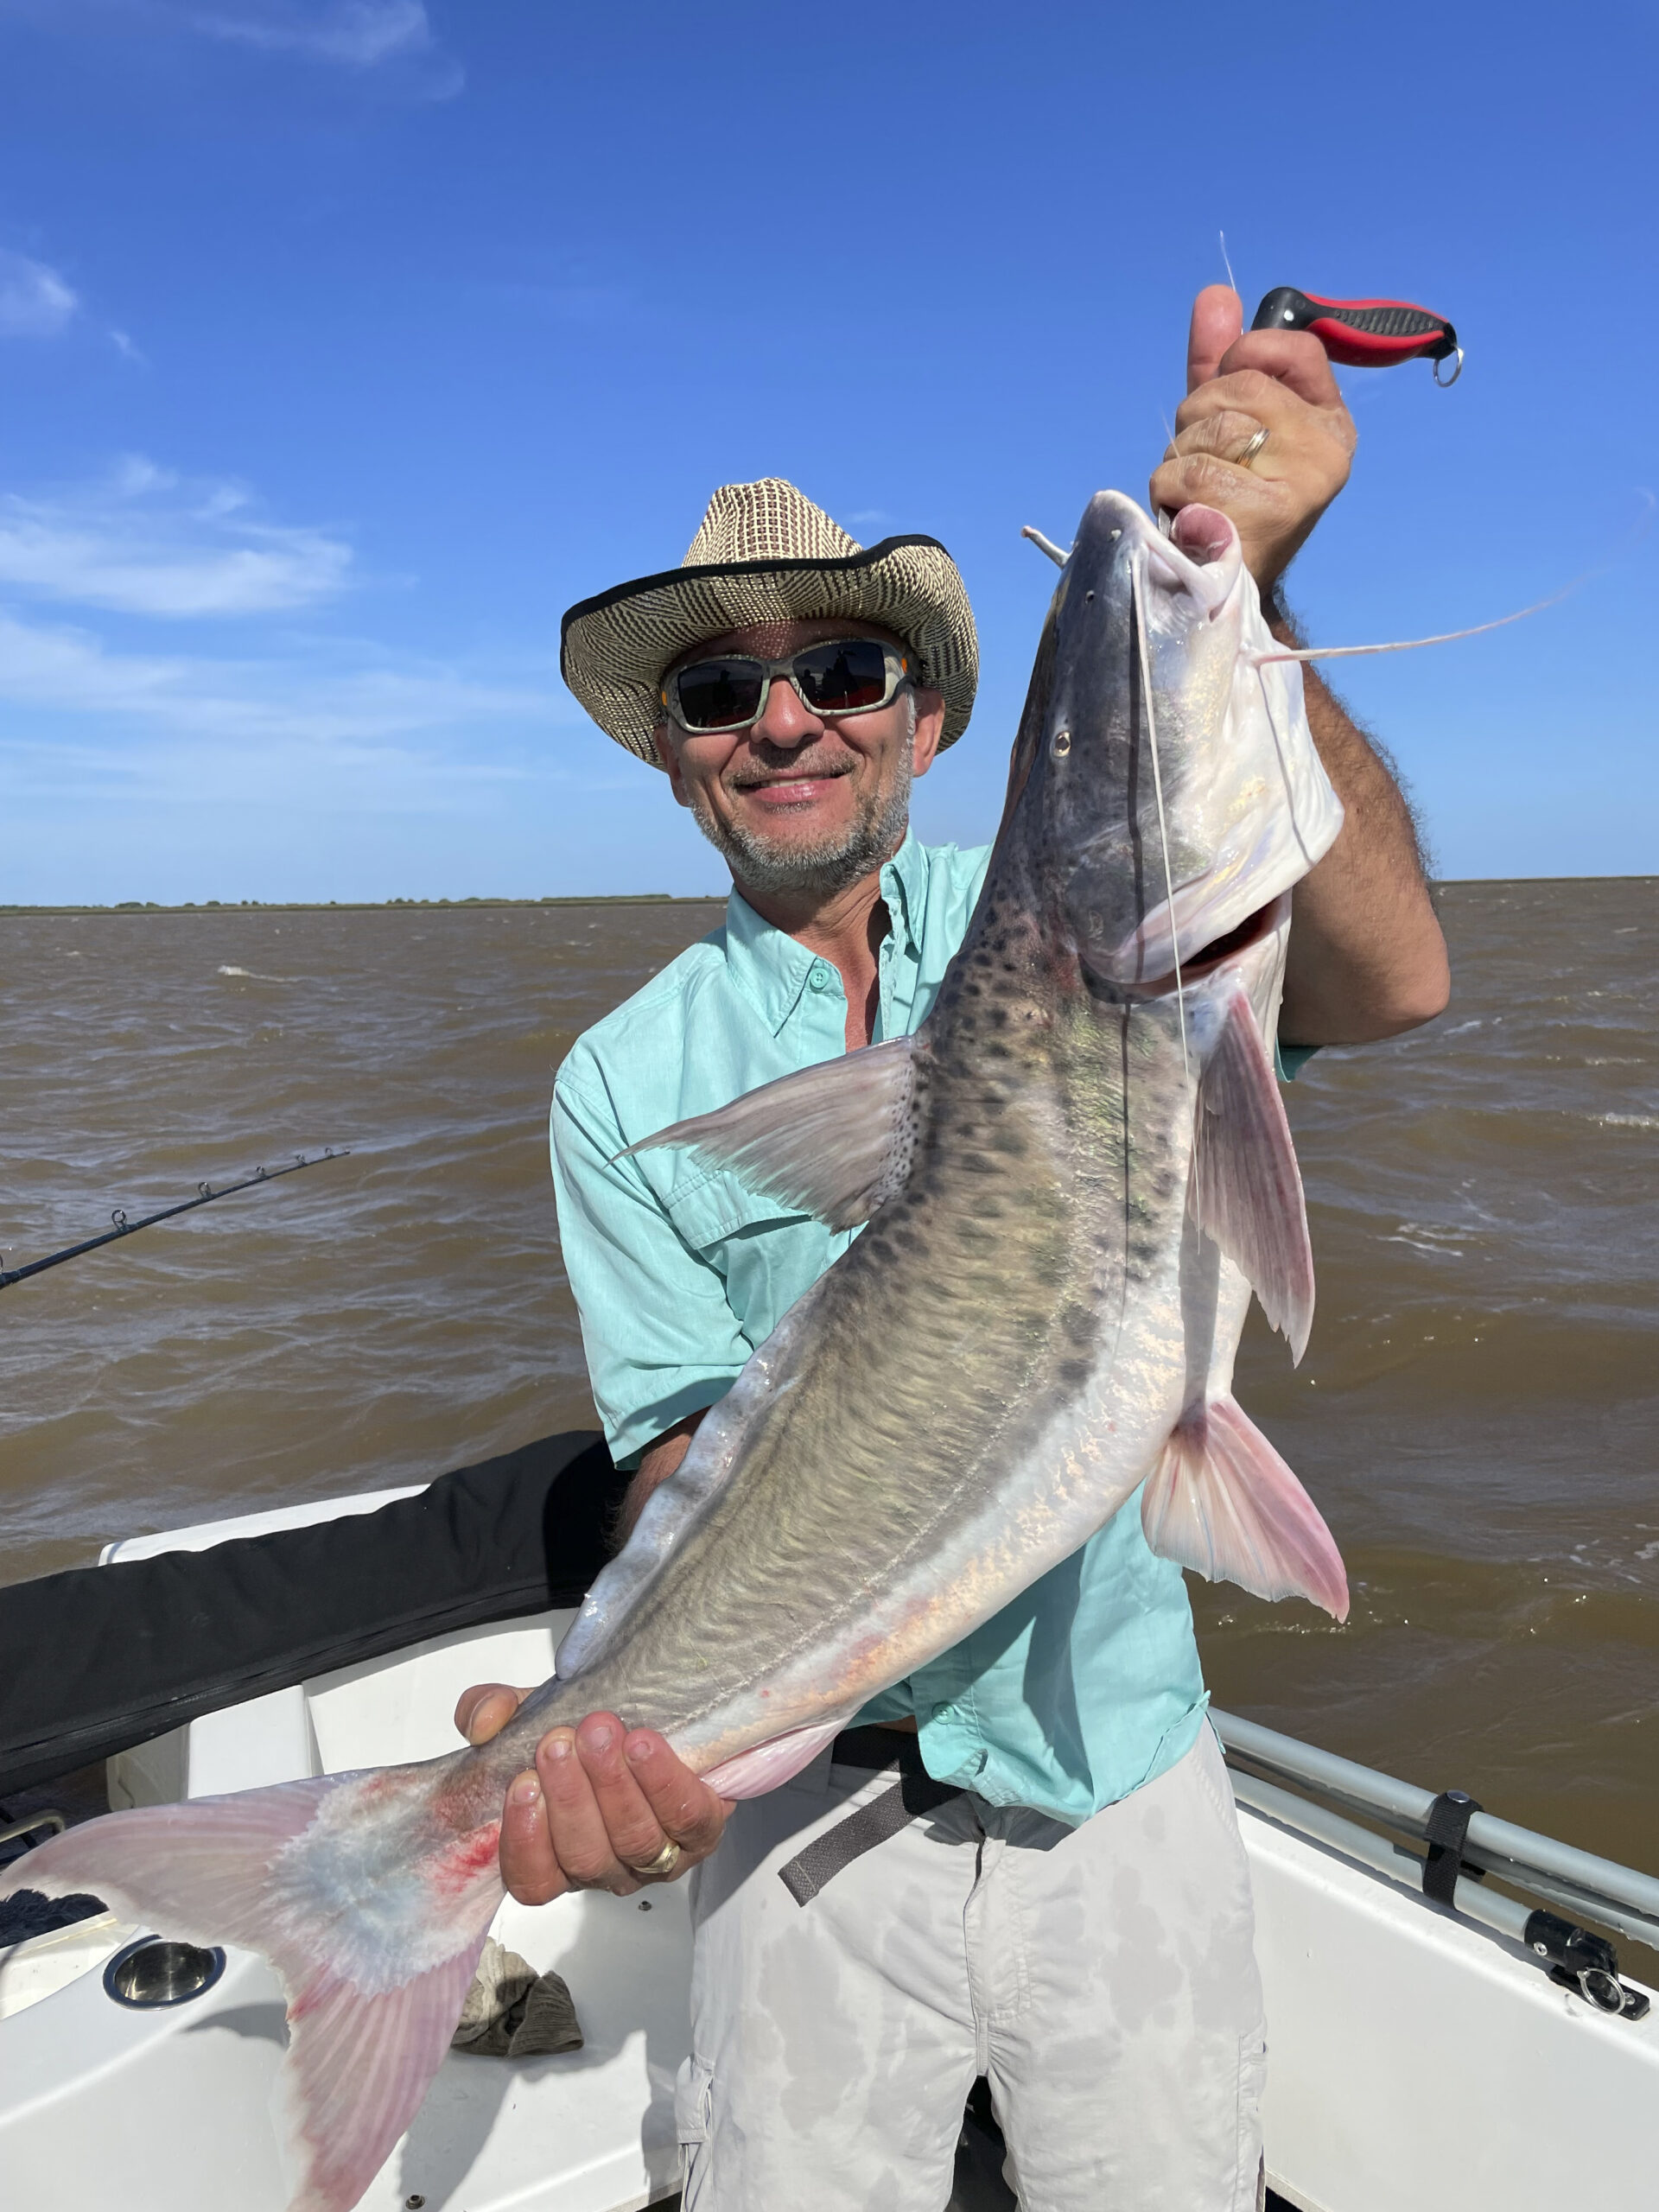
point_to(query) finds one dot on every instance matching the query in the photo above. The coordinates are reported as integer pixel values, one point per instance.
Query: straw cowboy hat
(764, 553)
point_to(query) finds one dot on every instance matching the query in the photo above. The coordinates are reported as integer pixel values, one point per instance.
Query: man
(1071, 1919)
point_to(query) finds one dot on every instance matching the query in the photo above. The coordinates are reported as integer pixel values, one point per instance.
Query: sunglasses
(842, 675)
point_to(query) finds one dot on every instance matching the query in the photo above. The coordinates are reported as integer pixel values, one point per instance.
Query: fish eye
(1060, 744)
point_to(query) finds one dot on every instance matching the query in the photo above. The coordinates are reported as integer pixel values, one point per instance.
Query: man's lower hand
(1240, 383)
(604, 1808)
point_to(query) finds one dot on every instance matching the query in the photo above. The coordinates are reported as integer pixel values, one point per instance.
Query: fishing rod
(205, 1196)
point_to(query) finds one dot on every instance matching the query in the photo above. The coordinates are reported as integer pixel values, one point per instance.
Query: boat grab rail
(1619, 1896)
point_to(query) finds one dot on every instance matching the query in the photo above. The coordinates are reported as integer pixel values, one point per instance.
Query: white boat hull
(1415, 2062)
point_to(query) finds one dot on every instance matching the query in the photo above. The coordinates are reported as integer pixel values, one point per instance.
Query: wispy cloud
(143, 541)
(404, 734)
(361, 34)
(35, 300)
(363, 698)
(87, 714)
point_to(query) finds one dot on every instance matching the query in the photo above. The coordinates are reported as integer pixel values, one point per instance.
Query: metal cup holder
(153, 1972)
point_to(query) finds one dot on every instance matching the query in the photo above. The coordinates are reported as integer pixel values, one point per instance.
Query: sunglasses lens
(716, 694)
(842, 676)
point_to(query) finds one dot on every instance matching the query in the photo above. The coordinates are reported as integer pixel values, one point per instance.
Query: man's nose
(786, 721)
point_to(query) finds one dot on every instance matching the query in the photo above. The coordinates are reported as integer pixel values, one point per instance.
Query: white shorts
(1102, 1979)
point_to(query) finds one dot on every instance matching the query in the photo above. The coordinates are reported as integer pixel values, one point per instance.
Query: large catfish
(1073, 1173)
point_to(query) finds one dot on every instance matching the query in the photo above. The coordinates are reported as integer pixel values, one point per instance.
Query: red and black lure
(1365, 334)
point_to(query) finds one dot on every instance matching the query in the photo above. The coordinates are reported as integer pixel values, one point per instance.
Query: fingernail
(525, 1790)
(557, 1747)
(639, 1749)
(599, 1738)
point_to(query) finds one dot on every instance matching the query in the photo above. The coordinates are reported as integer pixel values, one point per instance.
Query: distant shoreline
(594, 899)
(376, 906)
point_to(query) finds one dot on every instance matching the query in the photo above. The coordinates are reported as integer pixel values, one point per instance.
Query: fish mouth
(1200, 555)
(1253, 930)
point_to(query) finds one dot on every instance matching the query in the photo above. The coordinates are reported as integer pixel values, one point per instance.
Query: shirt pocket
(708, 1211)
(766, 1255)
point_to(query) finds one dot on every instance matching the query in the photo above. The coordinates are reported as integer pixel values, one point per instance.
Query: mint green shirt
(1086, 1685)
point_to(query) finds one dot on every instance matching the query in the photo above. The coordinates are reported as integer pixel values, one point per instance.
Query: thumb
(484, 1710)
(1217, 320)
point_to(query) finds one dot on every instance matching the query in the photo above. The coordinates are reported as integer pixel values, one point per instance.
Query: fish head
(1171, 790)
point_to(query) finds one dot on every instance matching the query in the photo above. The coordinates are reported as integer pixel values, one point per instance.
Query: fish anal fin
(833, 1141)
(1247, 1188)
(1221, 1502)
(768, 1766)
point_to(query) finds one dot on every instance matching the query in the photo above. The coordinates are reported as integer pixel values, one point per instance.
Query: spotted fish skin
(1073, 1177)
(997, 1363)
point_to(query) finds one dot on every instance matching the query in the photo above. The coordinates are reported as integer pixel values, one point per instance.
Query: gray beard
(825, 869)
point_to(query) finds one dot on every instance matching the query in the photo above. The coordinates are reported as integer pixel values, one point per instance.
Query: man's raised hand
(1239, 383)
(600, 1806)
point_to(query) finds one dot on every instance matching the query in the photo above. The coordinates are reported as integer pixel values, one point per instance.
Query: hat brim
(614, 649)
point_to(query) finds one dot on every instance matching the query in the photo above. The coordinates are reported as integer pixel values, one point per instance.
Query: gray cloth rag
(513, 2013)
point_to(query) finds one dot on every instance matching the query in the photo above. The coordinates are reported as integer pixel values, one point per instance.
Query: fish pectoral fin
(832, 1141)
(1246, 1190)
(1222, 1501)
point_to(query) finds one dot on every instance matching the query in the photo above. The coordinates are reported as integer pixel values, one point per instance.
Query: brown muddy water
(1477, 1413)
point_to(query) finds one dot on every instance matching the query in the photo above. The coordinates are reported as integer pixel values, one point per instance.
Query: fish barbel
(1074, 1174)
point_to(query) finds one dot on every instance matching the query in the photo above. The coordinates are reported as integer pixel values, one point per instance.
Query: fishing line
(1046, 546)
(1136, 573)
(1227, 264)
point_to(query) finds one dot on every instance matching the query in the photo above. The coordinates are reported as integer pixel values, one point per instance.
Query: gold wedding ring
(666, 1861)
(1252, 447)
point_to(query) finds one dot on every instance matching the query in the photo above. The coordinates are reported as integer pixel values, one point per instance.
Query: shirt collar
(770, 967)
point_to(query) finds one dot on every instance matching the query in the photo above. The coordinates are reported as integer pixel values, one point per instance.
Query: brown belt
(914, 1793)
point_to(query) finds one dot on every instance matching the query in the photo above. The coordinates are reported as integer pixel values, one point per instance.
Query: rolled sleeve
(661, 1341)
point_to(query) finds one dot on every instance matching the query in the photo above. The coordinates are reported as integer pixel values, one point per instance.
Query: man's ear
(670, 760)
(929, 728)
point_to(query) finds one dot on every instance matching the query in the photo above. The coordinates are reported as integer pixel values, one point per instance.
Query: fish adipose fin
(833, 1141)
(375, 1944)
(1222, 1501)
(1247, 1188)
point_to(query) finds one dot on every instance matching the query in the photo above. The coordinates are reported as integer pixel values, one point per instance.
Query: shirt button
(944, 1713)
(818, 979)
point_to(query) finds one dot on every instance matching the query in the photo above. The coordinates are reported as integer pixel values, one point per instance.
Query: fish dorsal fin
(833, 1141)
(1247, 1188)
(673, 1505)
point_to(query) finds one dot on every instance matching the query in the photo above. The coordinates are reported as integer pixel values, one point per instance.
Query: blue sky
(343, 343)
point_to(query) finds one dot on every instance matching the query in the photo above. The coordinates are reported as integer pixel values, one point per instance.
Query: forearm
(1366, 958)
(657, 1463)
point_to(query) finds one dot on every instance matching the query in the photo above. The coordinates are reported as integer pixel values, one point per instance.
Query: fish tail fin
(373, 1919)
(1222, 1501)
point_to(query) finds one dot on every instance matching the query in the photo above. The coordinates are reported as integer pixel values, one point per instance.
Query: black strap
(914, 1793)
(879, 1748)
(1447, 1829)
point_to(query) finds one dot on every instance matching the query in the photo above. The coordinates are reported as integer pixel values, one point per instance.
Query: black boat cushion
(100, 1658)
